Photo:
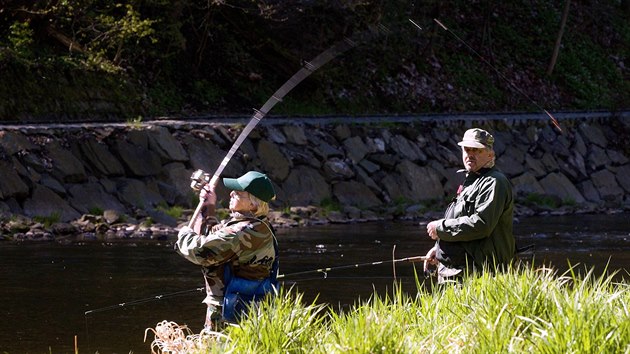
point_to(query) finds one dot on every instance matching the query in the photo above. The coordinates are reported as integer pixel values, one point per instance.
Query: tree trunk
(66, 41)
(556, 48)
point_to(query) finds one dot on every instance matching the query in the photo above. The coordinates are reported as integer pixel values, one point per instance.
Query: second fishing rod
(323, 271)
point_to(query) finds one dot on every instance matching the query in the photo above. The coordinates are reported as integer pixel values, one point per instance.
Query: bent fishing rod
(307, 69)
(323, 271)
(200, 179)
(554, 121)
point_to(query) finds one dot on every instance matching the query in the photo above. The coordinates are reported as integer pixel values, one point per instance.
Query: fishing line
(512, 85)
(323, 271)
(131, 303)
(144, 300)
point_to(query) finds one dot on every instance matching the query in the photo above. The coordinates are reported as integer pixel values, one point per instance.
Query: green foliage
(21, 38)
(328, 205)
(306, 107)
(95, 211)
(546, 201)
(375, 326)
(175, 211)
(400, 205)
(541, 200)
(591, 77)
(135, 123)
(286, 209)
(207, 92)
(521, 310)
(165, 98)
(158, 57)
(108, 34)
(147, 222)
(49, 220)
(282, 323)
(529, 44)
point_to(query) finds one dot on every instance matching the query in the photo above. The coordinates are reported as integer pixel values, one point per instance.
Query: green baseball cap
(477, 138)
(253, 182)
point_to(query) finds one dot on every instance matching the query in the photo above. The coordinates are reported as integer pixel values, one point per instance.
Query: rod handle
(212, 184)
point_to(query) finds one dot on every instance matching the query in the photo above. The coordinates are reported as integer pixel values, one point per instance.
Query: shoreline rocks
(133, 181)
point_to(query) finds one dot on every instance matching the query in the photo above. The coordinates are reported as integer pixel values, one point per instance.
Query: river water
(47, 288)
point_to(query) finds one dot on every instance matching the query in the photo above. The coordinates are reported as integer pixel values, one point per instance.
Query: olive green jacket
(480, 219)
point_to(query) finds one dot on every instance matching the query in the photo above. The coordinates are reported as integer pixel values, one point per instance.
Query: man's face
(239, 201)
(476, 158)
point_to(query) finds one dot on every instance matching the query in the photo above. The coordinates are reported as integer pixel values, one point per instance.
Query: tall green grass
(523, 310)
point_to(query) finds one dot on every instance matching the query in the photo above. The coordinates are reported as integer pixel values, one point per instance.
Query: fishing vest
(240, 293)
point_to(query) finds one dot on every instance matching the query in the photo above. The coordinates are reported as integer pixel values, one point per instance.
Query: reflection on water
(47, 288)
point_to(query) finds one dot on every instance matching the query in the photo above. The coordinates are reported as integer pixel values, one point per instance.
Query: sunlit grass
(523, 310)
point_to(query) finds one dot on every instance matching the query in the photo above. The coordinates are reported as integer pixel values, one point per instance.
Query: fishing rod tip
(440, 23)
(554, 121)
(415, 24)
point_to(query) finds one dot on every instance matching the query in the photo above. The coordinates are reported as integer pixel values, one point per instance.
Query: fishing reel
(199, 180)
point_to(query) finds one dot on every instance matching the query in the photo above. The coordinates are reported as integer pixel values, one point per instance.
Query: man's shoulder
(246, 223)
(502, 181)
(496, 176)
(494, 172)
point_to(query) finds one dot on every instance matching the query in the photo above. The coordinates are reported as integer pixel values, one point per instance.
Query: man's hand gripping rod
(199, 178)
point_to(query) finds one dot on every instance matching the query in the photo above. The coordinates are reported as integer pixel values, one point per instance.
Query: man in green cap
(476, 230)
(239, 256)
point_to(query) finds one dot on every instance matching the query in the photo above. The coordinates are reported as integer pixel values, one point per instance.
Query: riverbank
(128, 181)
(523, 311)
(91, 227)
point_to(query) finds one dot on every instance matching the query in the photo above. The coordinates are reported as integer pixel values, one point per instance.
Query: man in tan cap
(476, 230)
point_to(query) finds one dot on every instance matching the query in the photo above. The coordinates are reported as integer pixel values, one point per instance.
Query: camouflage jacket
(244, 242)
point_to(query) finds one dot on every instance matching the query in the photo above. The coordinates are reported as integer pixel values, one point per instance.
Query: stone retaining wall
(353, 170)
